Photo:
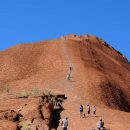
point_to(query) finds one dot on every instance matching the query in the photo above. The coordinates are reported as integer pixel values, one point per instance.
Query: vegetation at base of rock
(35, 91)
(24, 125)
(7, 88)
(25, 94)
(29, 120)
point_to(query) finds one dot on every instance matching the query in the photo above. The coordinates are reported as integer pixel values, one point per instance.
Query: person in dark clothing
(88, 110)
(81, 110)
(101, 125)
(70, 68)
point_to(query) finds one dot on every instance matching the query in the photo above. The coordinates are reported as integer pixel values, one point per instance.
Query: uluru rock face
(98, 69)
(99, 74)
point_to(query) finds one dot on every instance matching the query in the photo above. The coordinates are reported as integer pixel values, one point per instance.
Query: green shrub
(25, 125)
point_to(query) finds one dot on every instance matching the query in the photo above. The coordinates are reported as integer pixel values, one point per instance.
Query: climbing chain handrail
(67, 55)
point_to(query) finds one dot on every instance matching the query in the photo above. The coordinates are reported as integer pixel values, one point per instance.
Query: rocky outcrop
(39, 118)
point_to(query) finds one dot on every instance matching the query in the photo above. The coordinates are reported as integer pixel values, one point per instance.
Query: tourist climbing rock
(71, 68)
(68, 76)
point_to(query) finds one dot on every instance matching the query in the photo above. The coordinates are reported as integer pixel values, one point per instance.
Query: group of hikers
(100, 124)
(64, 122)
(88, 111)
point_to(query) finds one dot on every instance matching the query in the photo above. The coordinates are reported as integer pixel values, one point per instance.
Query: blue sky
(25, 21)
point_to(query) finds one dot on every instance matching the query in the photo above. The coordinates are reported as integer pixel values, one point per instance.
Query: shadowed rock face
(11, 116)
(99, 73)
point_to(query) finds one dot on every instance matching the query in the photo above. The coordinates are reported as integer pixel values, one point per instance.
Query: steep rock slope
(100, 75)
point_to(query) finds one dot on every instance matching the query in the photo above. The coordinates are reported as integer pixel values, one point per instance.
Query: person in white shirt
(64, 123)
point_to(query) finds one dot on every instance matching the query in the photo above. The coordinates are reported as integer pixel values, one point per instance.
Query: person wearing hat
(64, 123)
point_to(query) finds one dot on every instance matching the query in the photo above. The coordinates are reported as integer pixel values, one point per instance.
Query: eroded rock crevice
(47, 117)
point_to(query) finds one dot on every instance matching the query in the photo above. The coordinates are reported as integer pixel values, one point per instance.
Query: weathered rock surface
(100, 76)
